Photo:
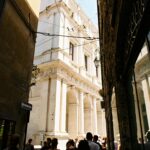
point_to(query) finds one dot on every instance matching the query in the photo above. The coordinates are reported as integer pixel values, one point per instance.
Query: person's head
(89, 136)
(83, 144)
(49, 140)
(95, 138)
(70, 145)
(148, 135)
(30, 141)
(54, 143)
(45, 143)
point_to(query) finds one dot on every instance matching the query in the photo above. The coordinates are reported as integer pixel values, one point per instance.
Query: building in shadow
(66, 100)
(124, 27)
(17, 40)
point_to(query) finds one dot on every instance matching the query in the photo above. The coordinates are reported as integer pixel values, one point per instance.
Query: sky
(35, 4)
(90, 8)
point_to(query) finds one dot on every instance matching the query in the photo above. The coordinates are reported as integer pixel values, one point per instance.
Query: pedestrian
(83, 145)
(95, 140)
(49, 143)
(70, 145)
(54, 144)
(104, 143)
(92, 145)
(45, 147)
(29, 145)
(147, 144)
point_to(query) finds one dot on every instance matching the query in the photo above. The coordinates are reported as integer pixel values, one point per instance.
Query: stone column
(88, 117)
(54, 107)
(45, 85)
(73, 120)
(81, 113)
(147, 99)
(99, 122)
(63, 108)
(94, 116)
(91, 116)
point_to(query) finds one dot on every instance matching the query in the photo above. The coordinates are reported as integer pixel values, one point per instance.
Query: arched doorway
(87, 115)
(72, 113)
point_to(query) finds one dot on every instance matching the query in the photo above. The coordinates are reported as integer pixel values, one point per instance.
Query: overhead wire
(83, 37)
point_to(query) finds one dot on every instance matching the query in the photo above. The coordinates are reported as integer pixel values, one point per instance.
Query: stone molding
(60, 70)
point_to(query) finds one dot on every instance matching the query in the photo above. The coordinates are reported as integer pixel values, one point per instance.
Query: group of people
(90, 143)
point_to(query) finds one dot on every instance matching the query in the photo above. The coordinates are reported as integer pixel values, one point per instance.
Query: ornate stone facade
(66, 100)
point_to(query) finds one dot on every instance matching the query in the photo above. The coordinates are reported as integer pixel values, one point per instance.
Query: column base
(59, 135)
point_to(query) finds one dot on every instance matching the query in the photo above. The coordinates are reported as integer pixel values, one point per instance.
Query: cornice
(60, 70)
(63, 7)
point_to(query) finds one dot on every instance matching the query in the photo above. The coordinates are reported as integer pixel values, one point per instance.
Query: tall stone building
(17, 43)
(66, 100)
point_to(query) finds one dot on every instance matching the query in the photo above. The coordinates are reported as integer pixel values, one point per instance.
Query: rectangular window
(96, 71)
(86, 62)
(71, 51)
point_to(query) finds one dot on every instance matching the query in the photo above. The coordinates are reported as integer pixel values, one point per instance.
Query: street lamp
(97, 60)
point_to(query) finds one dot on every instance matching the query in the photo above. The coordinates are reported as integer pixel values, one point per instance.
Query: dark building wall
(123, 27)
(16, 58)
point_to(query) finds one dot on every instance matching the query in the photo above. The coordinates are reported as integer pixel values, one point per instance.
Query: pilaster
(54, 107)
(63, 108)
(94, 116)
(81, 113)
(147, 99)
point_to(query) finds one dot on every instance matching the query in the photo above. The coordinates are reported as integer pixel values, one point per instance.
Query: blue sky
(90, 7)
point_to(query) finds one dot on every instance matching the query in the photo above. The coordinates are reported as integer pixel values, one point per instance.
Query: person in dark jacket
(29, 145)
(147, 144)
(95, 140)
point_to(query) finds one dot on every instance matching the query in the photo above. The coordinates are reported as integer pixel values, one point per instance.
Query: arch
(72, 113)
(87, 114)
(72, 96)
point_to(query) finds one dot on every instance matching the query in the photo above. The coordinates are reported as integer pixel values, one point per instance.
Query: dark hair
(148, 135)
(70, 143)
(48, 139)
(54, 143)
(30, 140)
(95, 138)
(89, 136)
(83, 144)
